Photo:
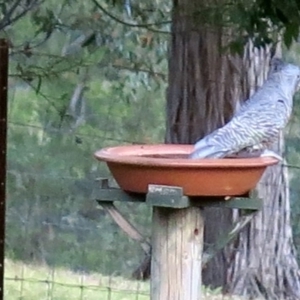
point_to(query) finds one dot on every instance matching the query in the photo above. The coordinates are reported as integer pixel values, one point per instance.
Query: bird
(256, 125)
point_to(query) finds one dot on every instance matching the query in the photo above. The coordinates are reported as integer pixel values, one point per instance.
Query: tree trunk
(205, 86)
(263, 258)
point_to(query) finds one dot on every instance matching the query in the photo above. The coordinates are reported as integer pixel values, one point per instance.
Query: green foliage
(270, 16)
(50, 175)
(51, 218)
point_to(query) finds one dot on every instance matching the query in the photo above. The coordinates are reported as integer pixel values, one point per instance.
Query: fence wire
(59, 243)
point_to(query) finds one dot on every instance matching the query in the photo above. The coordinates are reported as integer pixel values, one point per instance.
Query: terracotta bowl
(135, 167)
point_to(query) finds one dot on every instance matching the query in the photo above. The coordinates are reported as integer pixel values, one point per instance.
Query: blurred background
(85, 76)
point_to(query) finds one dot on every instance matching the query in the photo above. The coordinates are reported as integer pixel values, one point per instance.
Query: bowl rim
(124, 154)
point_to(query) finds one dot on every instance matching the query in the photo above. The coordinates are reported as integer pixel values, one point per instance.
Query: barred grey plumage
(257, 124)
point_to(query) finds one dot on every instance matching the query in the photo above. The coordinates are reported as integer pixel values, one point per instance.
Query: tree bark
(205, 87)
(263, 258)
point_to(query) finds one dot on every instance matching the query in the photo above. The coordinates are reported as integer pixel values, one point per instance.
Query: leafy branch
(147, 25)
(14, 12)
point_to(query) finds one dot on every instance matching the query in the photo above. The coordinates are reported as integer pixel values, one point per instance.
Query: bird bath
(134, 167)
(178, 189)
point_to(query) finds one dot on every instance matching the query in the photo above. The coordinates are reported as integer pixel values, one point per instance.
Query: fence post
(3, 135)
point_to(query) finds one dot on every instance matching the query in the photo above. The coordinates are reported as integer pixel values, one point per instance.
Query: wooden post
(3, 135)
(177, 245)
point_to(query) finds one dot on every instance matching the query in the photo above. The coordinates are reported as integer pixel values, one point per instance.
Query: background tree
(205, 86)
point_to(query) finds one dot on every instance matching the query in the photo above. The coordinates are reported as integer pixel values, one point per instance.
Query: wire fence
(60, 247)
(59, 243)
(57, 246)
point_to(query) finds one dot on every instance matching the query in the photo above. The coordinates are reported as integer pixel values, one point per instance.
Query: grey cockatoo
(259, 121)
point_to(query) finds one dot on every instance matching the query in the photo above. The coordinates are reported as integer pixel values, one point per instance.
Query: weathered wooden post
(177, 245)
(182, 188)
(3, 133)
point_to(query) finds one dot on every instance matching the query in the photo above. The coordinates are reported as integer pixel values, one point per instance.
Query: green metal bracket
(227, 237)
(166, 196)
(172, 197)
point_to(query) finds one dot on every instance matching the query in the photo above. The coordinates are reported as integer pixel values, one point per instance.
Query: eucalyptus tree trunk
(205, 87)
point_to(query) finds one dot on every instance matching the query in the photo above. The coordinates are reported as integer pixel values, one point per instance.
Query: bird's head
(286, 75)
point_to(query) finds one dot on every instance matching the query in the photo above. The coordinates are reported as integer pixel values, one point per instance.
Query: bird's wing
(245, 130)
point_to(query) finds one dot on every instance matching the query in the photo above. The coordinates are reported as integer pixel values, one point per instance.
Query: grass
(35, 282)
